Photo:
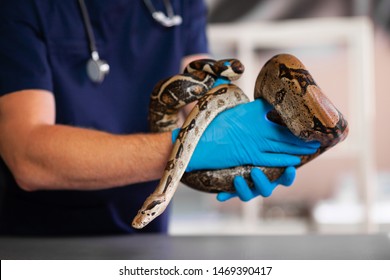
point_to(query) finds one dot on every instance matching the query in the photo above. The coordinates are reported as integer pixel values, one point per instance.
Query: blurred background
(345, 44)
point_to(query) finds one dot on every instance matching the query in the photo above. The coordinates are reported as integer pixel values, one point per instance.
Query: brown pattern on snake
(284, 82)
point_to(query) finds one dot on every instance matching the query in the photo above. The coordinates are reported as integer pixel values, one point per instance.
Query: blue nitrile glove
(263, 186)
(244, 136)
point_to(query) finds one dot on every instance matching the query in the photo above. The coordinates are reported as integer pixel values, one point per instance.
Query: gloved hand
(244, 136)
(263, 186)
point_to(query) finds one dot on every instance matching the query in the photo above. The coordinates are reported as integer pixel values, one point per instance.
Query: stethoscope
(98, 68)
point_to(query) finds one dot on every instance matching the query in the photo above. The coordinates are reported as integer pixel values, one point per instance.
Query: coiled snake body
(283, 82)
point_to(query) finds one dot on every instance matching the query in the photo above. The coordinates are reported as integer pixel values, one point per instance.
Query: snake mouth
(137, 223)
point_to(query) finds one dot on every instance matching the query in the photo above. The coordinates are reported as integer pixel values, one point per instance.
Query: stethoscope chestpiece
(97, 69)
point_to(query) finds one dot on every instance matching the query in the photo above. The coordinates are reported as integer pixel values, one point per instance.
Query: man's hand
(244, 136)
(262, 186)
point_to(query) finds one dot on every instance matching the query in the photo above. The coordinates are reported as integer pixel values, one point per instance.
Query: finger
(263, 107)
(223, 196)
(175, 133)
(283, 134)
(242, 188)
(313, 144)
(287, 177)
(221, 81)
(267, 107)
(262, 183)
(283, 147)
(276, 160)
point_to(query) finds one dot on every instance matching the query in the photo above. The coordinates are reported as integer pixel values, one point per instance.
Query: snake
(284, 82)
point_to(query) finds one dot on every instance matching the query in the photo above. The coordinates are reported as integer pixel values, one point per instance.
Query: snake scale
(284, 82)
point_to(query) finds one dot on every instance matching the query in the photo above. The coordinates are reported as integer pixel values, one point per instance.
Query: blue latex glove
(244, 136)
(263, 186)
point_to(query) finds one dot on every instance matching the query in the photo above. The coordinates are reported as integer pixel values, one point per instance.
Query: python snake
(284, 82)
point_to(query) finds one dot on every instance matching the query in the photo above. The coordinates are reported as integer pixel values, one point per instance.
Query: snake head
(153, 206)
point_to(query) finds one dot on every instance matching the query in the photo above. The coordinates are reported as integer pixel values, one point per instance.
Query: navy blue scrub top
(43, 45)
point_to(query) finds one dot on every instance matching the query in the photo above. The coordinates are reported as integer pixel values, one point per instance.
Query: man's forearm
(62, 157)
